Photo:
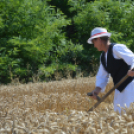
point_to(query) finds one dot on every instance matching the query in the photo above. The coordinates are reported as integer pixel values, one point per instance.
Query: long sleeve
(102, 78)
(120, 51)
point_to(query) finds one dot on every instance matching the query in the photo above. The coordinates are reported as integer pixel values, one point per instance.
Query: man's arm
(120, 51)
(102, 78)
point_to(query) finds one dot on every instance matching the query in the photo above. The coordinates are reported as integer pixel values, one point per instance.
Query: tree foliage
(32, 40)
(43, 37)
(116, 16)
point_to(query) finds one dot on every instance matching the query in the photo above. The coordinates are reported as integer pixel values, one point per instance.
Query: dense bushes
(32, 41)
(45, 37)
(116, 16)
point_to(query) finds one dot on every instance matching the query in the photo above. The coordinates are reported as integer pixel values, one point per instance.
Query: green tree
(32, 40)
(116, 16)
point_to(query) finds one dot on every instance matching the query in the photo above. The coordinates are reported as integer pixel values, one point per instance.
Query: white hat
(98, 32)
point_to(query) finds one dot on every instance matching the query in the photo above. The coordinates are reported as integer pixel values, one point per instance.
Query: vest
(118, 68)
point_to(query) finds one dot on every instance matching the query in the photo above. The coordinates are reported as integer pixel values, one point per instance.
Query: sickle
(108, 93)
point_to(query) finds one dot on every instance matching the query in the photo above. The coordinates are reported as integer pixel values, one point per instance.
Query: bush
(32, 40)
(41, 39)
(116, 16)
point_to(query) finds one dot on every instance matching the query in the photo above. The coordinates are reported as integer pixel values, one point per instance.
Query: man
(116, 60)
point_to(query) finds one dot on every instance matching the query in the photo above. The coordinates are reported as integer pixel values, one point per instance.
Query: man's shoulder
(118, 46)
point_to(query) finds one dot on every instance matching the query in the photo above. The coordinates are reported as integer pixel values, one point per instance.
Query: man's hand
(95, 92)
(130, 73)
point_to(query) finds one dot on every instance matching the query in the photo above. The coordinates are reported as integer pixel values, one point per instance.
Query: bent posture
(116, 60)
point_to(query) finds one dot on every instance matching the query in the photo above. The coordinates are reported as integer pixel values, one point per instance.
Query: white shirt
(120, 51)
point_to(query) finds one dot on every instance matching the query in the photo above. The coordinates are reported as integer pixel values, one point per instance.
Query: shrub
(32, 39)
(116, 16)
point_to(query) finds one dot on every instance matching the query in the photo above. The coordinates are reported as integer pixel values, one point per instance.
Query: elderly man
(116, 60)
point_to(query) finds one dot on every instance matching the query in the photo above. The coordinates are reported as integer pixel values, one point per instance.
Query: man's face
(98, 44)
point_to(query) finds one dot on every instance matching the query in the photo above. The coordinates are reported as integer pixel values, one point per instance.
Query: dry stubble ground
(59, 107)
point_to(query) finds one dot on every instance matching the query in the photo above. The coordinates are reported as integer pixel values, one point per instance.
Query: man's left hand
(130, 73)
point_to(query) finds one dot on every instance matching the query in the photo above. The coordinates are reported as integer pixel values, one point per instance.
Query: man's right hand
(94, 93)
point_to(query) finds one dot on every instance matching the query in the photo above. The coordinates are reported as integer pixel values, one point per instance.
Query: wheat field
(60, 107)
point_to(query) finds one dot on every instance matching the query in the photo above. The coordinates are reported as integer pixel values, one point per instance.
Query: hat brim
(97, 36)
